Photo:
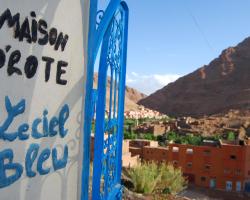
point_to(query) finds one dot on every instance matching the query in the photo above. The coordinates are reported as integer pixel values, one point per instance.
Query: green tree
(231, 136)
(149, 136)
(194, 140)
(129, 135)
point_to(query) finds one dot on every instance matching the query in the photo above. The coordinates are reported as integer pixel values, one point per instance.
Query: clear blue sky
(175, 37)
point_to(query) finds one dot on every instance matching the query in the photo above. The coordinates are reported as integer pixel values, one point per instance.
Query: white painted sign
(42, 64)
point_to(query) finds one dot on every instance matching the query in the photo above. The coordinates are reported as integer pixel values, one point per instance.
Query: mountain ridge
(221, 85)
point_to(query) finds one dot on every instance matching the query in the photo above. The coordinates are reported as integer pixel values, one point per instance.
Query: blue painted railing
(109, 28)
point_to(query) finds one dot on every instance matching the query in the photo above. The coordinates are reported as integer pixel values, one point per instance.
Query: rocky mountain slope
(222, 85)
(132, 95)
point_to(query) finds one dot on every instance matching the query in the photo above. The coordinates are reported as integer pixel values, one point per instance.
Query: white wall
(39, 95)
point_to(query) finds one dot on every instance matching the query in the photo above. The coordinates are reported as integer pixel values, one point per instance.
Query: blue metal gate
(111, 32)
(109, 129)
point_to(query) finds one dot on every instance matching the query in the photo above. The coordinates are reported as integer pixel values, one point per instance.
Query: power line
(196, 23)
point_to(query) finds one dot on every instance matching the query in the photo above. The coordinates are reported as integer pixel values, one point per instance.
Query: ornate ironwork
(101, 7)
(109, 130)
(108, 26)
(99, 17)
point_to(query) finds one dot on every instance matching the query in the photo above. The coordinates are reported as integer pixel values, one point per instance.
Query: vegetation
(150, 178)
(129, 125)
(231, 136)
(130, 136)
(197, 140)
(147, 136)
(172, 180)
(133, 136)
(184, 139)
(129, 122)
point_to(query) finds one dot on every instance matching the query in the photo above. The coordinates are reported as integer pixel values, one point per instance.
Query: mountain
(132, 96)
(222, 85)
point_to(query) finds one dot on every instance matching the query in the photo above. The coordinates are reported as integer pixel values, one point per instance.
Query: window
(190, 151)
(241, 142)
(238, 186)
(175, 149)
(229, 185)
(207, 167)
(226, 171)
(238, 172)
(203, 179)
(175, 162)
(189, 165)
(233, 157)
(213, 183)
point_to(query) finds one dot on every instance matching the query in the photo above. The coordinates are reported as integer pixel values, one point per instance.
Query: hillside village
(150, 136)
(214, 125)
(156, 131)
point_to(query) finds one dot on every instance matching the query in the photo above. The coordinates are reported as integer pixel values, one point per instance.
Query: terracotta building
(221, 166)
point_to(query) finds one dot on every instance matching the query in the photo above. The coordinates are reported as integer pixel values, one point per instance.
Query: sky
(171, 38)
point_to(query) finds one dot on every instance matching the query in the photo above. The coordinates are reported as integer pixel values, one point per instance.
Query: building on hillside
(136, 146)
(143, 113)
(222, 166)
(155, 129)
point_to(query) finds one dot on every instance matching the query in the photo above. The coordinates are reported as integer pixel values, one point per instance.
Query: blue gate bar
(108, 150)
(97, 30)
